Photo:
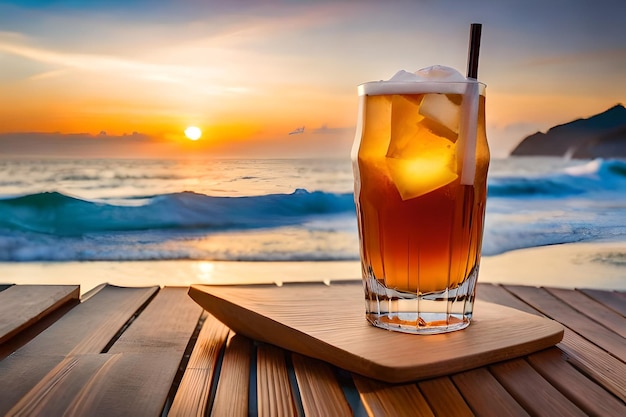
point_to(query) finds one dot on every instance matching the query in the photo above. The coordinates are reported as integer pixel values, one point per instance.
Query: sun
(193, 132)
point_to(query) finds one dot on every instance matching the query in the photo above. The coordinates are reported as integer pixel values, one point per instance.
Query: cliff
(599, 136)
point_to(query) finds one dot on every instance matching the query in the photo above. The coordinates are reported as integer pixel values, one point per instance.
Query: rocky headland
(599, 136)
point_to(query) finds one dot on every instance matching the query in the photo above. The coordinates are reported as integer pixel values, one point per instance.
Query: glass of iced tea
(420, 160)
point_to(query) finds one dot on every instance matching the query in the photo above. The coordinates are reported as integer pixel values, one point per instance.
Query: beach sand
(600, 265)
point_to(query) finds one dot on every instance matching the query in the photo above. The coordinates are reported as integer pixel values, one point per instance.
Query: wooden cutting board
(328, 322)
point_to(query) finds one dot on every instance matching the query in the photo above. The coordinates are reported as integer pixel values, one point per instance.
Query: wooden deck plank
(320, 391)
(32, 331)
(606, 370)
(274, 395)
(136, 384)
(444, 398)
(192, 395)
(532, 391)
(101, 385)
(592, 309)
(58, 389)
(176, 316)
(87, 328)
(23, 305)
(497, 294)
(164, 327)
(384, 399)
(586, 394)
(233, 389)
(612, 299)
(90, 326)
(554, 308)
(485, 395)
(18, 377)
(134, 376)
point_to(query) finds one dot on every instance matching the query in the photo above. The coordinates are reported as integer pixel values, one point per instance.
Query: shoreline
(597, 265)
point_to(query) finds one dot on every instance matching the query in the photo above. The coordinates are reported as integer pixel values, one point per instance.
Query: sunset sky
(125, 78)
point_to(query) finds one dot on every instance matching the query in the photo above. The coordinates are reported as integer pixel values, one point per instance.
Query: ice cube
(418, 176)
(441, 115)
(405, 119)
(419, 161)
(419, 143)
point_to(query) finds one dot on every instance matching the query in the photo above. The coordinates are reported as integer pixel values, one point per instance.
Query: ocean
(272, 210)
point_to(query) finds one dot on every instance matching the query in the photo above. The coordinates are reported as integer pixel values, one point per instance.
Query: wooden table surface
(122, 351)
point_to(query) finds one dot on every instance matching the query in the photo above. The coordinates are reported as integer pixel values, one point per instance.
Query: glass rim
(379, 88)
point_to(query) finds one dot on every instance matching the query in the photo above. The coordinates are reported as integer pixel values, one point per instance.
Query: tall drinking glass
(420, 160)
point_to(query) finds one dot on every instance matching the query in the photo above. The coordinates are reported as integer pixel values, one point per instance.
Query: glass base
(431, 313)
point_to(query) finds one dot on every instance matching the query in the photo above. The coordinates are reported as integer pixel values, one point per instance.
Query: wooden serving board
(327, 322)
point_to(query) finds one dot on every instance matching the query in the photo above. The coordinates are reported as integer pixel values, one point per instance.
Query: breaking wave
(59, 214)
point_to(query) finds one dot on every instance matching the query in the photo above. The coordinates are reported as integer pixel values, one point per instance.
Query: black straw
(474, 49)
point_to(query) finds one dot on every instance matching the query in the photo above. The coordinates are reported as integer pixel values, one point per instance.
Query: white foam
(589, 169)
(440, 73)
(434, 79)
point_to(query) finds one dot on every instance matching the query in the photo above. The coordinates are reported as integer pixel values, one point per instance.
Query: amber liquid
(423, 244)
